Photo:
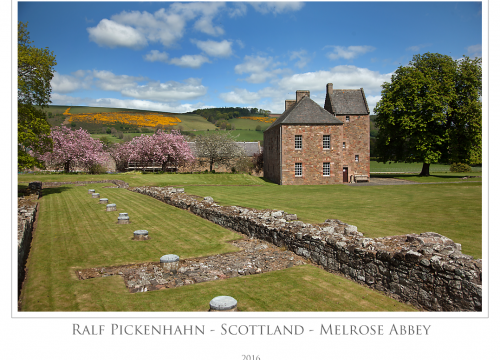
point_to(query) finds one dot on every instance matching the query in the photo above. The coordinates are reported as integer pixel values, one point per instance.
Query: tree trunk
(66, 166)
(425, 170)
(211, 163)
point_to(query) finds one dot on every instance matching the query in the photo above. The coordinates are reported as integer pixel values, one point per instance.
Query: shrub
(97, 169)
(243, 165)
(258, 161)
(460, 168)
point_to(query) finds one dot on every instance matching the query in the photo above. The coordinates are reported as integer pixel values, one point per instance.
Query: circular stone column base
(111, 207)
(91, 191)
(170, 262)
(103, 201)
(123, 218)
(96, 195)
(141, 235)
(223, 303)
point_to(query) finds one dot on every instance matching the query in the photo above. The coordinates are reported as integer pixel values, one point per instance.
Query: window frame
(326, 166)
(298, 140)
(298, 170)
(356, 158)
(328, 139)
(347, 118)
(344, 145)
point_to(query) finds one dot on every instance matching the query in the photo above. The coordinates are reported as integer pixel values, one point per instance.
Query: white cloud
(155, 55)
(174, 107)
(342, 77)
(348, 53)
(240, 96)
(191, 61)
(137, 87)
(106, 80)
(475, 50)
(65, 83)
(276, 7)
(259, 68)
(134, 29)
(238, 9)
(372, 101)
(206, 13)
(168, 91)
(112, 34)
(417, 48)
(215, 48)
(302, 57)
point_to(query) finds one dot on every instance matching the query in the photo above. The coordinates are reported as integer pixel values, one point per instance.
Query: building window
(326, 169)
(298, 169)
(356, 158)
(343, 145)
(326, 142)
(347, 118)
(298, 142)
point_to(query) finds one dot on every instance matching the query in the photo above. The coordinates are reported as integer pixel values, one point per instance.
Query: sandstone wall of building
(312, 155)
(427, 270)
(357, 139)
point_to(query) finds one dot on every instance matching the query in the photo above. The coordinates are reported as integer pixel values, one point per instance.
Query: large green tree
(35, 69)
(431, 112)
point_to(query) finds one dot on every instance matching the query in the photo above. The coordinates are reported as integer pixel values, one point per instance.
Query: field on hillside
(74, 232)
(94, 119)
(249, 124)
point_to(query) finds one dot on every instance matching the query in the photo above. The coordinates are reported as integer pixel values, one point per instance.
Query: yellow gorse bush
(259, 118)
(143, 119)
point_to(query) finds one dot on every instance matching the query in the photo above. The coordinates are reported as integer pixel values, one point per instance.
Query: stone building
(310, 145)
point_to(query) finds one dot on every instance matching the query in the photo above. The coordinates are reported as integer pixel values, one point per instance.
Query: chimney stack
(329, 88)
(288, 104)
(299, 94)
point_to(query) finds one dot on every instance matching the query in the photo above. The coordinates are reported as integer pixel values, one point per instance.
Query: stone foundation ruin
(427, 270)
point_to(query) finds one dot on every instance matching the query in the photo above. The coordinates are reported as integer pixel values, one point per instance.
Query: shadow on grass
(54, 190)
(266, 180)
(21, 190)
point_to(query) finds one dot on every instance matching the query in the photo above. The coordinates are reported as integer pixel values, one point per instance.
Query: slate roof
(347, 102)
(306, 112)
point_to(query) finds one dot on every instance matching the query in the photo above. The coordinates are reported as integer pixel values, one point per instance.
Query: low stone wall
(427, 270)
(26, 215)
(119, 183)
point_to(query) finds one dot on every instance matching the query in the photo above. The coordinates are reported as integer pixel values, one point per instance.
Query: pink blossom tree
(168, 149)
(74, 148)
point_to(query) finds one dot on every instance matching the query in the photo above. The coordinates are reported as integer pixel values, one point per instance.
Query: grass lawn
(395, 167)
(74, 231)
(452, 209)
(138, 179)
(434, 177)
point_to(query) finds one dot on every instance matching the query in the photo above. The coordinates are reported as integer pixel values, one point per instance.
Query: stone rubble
(255, 257)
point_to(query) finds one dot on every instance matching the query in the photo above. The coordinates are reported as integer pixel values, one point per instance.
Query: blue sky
(178, 57)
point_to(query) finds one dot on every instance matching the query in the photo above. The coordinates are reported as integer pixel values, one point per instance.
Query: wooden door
(345, 174)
